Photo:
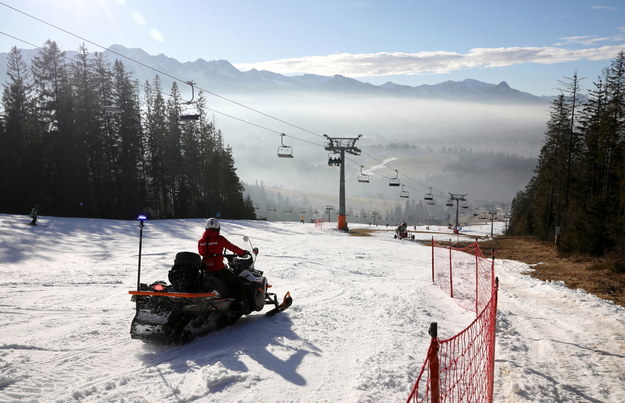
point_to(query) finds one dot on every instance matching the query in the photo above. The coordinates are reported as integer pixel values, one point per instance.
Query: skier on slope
(33, 214)
(211, 247)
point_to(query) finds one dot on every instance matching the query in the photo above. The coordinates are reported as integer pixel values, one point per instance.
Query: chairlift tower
(342, 145)
(375, 214)
(328, 210)
(457, 197)
(492, 222)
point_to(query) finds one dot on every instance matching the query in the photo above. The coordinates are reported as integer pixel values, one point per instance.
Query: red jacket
(211, 246)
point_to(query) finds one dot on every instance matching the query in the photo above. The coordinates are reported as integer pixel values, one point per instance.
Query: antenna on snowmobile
(141, 218)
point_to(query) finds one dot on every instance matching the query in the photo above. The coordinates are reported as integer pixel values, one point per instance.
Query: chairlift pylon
(404, 193)
(284, 151)
(363, 178)
(394, 181)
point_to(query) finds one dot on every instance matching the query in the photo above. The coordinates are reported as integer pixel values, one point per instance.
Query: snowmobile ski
(286, 302)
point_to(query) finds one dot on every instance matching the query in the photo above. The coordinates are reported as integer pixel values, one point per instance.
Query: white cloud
(587, 40)
(603, 8)
(387, 63)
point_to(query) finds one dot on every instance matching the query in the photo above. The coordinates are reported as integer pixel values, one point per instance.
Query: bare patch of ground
(599, 276)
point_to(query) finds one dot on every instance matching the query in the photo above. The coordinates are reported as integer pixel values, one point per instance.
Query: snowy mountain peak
(221, 75)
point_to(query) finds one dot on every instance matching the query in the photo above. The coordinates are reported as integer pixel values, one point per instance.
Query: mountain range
(496, 129)
(222, 76)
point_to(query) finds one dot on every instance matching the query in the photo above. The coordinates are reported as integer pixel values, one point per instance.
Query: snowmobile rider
(211, 247)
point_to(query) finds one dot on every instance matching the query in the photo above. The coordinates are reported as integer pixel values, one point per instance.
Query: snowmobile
(196, 303)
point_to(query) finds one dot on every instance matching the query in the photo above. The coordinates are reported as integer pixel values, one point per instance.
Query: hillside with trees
(81, 138)
(577, 195)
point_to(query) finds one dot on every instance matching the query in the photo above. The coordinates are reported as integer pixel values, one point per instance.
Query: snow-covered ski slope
(357, 330)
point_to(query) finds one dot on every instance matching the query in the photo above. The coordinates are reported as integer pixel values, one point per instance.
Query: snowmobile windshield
(243, 242)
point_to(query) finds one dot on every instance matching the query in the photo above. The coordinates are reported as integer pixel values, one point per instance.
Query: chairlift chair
(362, 178)
(449, 203)
(429, 196)
(186, 116)
(394, 181)
(284, 151)
(404, 193)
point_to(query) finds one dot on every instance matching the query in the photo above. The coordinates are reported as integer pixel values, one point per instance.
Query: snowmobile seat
(212, 282)
(188, 259)
(185, 275)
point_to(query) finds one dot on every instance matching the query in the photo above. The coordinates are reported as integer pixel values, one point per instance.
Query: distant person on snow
(33, 214)
(211, 247)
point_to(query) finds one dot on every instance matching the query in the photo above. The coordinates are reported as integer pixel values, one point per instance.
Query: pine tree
(155, 128)
(55, 107)
(19, 145)
(129, 144)
(87, 126)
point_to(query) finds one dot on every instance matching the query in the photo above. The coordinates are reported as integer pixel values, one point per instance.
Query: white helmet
(212, 223)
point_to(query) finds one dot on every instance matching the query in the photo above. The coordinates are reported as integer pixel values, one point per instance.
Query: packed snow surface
(357, 330)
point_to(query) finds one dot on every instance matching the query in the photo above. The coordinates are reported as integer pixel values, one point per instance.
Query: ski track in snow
(565, 345)
(356, 332)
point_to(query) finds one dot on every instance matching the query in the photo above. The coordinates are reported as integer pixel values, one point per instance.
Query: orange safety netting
(460, 369)
(464, 273)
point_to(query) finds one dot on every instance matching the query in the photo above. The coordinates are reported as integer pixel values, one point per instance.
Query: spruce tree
(19, 144)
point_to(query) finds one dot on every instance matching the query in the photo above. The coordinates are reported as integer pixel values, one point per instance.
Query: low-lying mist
(486, 150)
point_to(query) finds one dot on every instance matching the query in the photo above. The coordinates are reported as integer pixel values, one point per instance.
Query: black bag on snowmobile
(186, 273)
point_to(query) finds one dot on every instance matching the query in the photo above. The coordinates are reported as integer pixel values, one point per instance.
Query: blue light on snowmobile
(142, 217)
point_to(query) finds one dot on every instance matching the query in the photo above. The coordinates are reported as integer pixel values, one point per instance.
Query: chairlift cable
(169, 94)
(161, 72)
(187, 82)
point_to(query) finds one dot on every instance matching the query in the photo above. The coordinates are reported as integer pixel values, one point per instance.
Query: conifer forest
(577, 194)
(82, 139)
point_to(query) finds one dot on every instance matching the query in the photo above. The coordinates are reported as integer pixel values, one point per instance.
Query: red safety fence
(461, 368)
(464, 273)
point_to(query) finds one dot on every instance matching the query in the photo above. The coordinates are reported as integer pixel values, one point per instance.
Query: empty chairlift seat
(394, 181)
(284, 151)
(404, 193)
(362, 178)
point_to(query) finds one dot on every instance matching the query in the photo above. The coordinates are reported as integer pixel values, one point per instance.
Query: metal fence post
(434, 364)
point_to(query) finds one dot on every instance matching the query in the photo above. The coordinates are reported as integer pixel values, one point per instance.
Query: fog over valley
(468, 137)
(486, 150)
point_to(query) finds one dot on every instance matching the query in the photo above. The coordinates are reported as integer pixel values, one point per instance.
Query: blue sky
(530, 44)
